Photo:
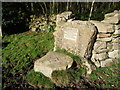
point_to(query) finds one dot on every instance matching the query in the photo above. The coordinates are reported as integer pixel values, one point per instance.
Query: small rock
(117, 27)
(107, 62)
(117, 32)
(89, 69)
(104, 39)
(103, 35)
(116, 46)
(102, 56)
(52, 61)
(99, 45)
(116, 40)
(33, 29)
(101, 51)
(109, 45)
(96, 62)
(114, 54)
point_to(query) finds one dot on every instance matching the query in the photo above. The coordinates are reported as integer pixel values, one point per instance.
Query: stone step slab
(52, 61)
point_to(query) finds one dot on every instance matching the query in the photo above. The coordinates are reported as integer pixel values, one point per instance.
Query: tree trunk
(67, 6)
(53, 6)
(91, 10)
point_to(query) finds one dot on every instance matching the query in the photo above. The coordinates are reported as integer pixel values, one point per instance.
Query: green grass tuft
(37, 79)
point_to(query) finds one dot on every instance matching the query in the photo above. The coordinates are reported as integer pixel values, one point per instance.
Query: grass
(106, 77)
(72, 75)
(19, 53)
(21, 50)
(37, 79)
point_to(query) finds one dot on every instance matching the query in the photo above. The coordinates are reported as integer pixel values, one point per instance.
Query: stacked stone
(40, 23)
(106, 50)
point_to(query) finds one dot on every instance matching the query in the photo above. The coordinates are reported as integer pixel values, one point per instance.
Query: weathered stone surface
(103, 27)
(89, 68)
(109, 46)
(116, 40)
(99, 45)
(101, 35)
(107, 62)
(96, 62)
(105, 39)
(113, 17)
(100, 56)
(52, 61)
(76, 37)
(117, 32)
(116, 46)
(117, 27)
(63, 16)
(114, 54)
(33, 29)
(97, 51)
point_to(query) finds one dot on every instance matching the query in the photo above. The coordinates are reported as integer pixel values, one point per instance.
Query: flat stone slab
(103, 27)
(52, 61)
(113, 17)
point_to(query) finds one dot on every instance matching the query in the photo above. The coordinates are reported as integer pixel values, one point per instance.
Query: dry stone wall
(98, 41)
(107, 46)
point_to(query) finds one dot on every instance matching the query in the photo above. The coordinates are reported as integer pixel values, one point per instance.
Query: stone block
(117, 32)
(76, 37)
(103, 27)
(99, 45)
(102, 35)
(96, 62)
(106, 63)
(117, 27)
(109, 46)
(114, 54)
(100, 56)
(116, 40)
(112, 18)
(108, 39)
(116, 46)
(52, 61)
